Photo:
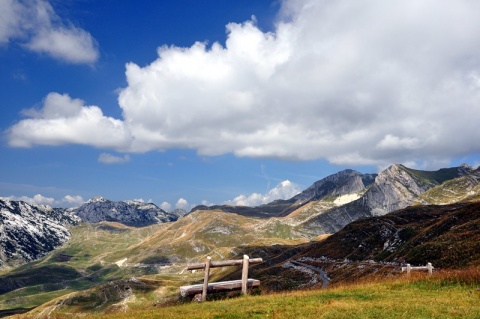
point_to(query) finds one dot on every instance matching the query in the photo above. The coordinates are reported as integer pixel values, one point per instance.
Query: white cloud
(64, 120)
(107, 158)
(34, 24)
(10, 15)
(38, 199)
(284, 190)
(73, 45)
(368, 82)
(166, 206)
(73, 200)
(182, 203)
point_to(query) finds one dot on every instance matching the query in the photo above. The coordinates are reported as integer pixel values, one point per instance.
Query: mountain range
(376, 221)
(131, 213)
(30, 231)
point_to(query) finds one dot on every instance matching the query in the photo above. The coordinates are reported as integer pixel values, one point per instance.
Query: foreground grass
(399, 298)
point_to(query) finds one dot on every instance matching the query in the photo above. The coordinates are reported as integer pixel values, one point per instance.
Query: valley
(346, 228)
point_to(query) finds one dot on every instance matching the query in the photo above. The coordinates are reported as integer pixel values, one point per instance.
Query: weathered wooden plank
(223, 263)
(218, 286)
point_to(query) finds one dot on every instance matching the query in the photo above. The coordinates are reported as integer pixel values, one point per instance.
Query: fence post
(409, 269)
(245, 274)
(429, 268)
(205, 279)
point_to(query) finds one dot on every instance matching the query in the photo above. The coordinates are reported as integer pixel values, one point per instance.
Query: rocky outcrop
(28, 232)
(130, 213)
(398, 186)
(394, 188)
(345, 182)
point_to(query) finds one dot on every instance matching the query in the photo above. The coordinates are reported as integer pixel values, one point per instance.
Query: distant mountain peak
(97, 199)
(131, 212)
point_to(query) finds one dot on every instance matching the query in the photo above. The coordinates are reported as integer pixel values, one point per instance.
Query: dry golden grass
(451, 294)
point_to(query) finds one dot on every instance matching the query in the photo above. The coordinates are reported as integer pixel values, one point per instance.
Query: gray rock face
(131, 213)
(28, 232)
(394, 188)
(179, 212)
(397, 187)
(345, 182)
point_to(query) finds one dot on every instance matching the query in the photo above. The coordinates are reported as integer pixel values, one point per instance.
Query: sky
(187, 102)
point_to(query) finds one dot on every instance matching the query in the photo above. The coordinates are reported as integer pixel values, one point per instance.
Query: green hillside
(444, 295)
(464, 188)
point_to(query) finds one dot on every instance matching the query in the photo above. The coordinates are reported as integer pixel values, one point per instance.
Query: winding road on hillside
(321, 273)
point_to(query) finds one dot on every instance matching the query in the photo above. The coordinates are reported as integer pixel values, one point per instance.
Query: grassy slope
(81, 263)
(464, 188)
(433, 177)
(89, 259)
(444, 295)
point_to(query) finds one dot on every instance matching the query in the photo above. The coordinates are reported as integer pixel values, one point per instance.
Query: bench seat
(218, 287)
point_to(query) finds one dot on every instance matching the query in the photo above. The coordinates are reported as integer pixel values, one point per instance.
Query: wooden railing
(409, 268)
(242, 284)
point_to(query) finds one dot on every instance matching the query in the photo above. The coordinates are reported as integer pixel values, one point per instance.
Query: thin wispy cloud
(34, 25)
(107, 158)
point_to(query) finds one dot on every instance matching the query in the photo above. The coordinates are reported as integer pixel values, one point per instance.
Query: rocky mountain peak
(29, 231)
(466, 169)
(97, 199)
(131, 213)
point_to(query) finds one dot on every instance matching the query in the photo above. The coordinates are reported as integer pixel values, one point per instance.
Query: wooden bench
(221, 286)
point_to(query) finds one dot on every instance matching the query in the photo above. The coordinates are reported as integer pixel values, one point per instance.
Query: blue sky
(209, 102)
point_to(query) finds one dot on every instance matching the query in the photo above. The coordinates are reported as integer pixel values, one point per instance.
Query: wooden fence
(409, 268)
(242, 284)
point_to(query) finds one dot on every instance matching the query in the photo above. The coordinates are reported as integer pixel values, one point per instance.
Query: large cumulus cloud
(63, 120)
(355, 82)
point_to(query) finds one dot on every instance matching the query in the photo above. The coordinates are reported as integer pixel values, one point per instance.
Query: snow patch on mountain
(28, 232)
(345, 199)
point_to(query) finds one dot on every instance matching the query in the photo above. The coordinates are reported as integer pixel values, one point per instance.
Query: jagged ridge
(131, 213)
(28, 232)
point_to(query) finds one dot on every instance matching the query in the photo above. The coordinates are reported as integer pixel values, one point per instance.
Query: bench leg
(205, 280)
(246, 261)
